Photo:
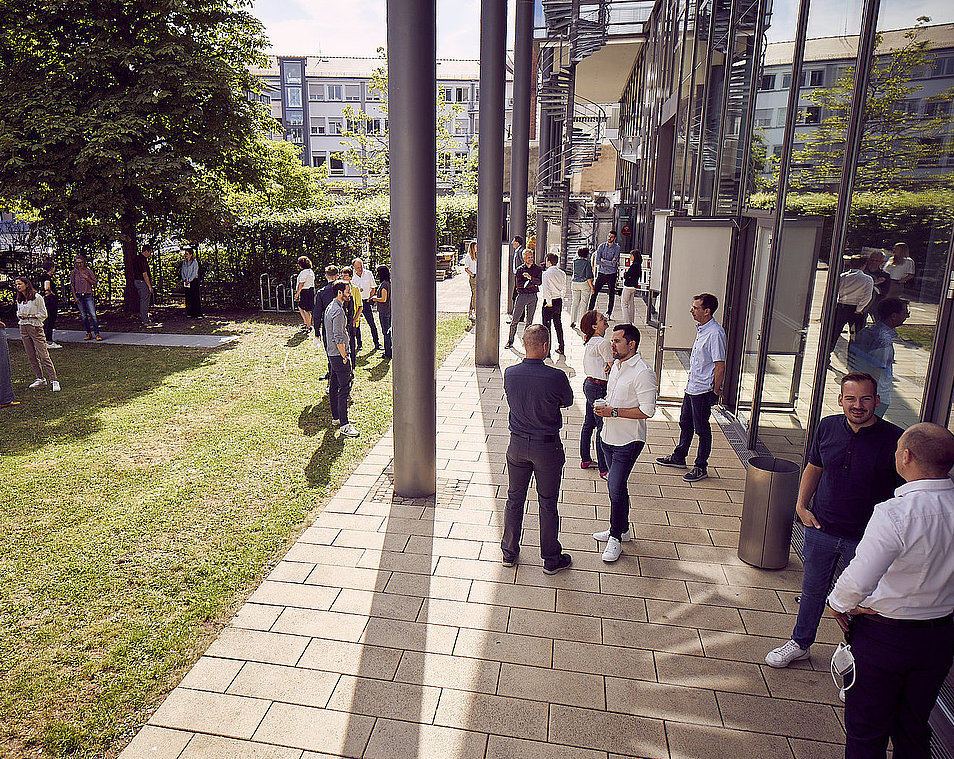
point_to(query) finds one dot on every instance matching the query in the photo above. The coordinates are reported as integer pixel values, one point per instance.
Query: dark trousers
(385, 317)
(339, 387)
(621, 460)
(694, 419)
(592, 390)
(193, 303)
(845, 314)
(609, 282)
(354, 341)
(52, 310)
(525, 306)
(369, 318)
(554, 313)
(543, 459)
(899, 671)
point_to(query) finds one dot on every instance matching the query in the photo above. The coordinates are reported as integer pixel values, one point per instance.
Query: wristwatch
(614, 412)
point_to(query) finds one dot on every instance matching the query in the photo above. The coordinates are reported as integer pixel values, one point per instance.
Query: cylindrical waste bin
(768, 511)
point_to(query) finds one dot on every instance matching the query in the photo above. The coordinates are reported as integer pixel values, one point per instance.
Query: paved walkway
(137, 338)
(390, 629)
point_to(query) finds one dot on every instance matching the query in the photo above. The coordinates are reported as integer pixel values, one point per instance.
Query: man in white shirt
(364, 281)
(855, 289)
(552, 287)
(895, 602)
(703, 388)
(630, 401)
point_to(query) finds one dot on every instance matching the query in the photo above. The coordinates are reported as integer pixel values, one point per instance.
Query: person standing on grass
(383, 298)
(895, 601)
(143, 284)
(630, 401)
(364, 281)
(597, 362)
(470, 269)
(7, 398)
(536, 393)
(850, 469)
(581, 287)
(51, 298)
(353, 308)
(552, 288)
(323, 297)
(339, 361)
(82, 282)
(31, 311)
(529, 277)
(305, 292)
(189, 271)
(607, 271)
(706, 374)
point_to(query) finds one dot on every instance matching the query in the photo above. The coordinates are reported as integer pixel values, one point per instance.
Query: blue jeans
(694, 418)
(88, 313)
(339, 386)
(621, 459)
(822, 552)
(385, 317)
(369, 318)
(591, 421)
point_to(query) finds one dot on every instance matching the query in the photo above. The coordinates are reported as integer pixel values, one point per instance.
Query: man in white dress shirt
(855, 289)
(552, 287)
(630, 401)
(364, 281)
(895, 601)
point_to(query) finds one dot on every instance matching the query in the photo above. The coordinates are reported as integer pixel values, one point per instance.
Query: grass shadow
(314, 417)
(297, 339)
(318, 470)
(379, 370)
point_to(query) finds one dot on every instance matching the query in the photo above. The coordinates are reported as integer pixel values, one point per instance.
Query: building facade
(308, 98)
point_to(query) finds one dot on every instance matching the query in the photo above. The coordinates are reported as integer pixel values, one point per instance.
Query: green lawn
(141, 504)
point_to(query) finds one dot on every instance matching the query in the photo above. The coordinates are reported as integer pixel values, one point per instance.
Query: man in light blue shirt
(872, 350)
(706, 374)
(606, 264)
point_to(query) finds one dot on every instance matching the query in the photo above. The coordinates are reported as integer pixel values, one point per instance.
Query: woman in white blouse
(305, 291)
(597, 360)
(900, 268)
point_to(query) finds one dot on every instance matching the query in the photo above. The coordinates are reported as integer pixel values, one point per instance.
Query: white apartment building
(307, 97)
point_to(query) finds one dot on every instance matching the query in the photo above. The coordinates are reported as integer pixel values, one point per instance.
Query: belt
(536, 438)
(937, 622)
(597, 381)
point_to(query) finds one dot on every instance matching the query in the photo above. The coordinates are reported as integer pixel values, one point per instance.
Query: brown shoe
(98, 337)
(88, 336)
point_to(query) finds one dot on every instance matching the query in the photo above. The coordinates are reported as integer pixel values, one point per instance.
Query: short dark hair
(304, 262)
(340, 286)
(890, 306)
(860, 377)
(583, 253)
(48, 264)
(612, 232)
(384, 273)
(331, 271)
(709, 301)
(536, 335)
(932, 447)
(553, 258)
(630, 332)
(147, 246)
(518, 239)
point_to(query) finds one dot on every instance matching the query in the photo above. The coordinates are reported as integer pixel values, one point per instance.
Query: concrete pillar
(520, 137)
(412, 102)
(493, 43)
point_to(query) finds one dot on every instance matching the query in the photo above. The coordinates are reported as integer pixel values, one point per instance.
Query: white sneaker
(350, 430)
(786, 654)
(53, 345)
(56, 387)
(335, 422)
(612, 551)
(602, 537)
(37, 383)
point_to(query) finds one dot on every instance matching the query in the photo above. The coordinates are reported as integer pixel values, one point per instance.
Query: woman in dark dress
(383, 298)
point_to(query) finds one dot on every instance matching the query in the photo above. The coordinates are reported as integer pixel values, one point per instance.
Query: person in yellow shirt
(353, 311)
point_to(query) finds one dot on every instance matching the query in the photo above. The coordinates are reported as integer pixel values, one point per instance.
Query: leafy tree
(121, 116)
(895, 142)
(366, 148)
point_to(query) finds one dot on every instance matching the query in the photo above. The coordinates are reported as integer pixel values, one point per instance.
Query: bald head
(927, 447)
(536, 341)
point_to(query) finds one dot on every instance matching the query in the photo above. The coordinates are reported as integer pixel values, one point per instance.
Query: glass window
(768, 82)
(812, 115)
(319, 159)
(316, 92)
(291, 70)
(763, 117)
(448, 95)
(296, 135)
(786, 81)
(294, 117)
(353, 92)
(335, 92)
(335, 126)
(337, 167)
(781, 114)
(293, 97)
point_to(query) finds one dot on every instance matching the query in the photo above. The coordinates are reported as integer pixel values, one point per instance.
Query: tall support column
(493, 44)
(543, 151)
(412, 102)
(520, 139)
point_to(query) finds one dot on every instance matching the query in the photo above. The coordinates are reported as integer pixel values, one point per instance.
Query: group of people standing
(335, 313)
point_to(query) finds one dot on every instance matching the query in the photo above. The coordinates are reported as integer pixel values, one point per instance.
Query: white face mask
(843, 666)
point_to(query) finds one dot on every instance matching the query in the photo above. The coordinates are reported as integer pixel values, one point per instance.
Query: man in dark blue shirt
(535, 393)
(850, 469)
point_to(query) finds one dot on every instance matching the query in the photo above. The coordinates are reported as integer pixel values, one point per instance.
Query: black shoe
(509, 562)
(695, 474)
(508, 345)
(671, 461)
(562, 564)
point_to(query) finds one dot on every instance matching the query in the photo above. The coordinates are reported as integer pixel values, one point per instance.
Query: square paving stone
(392, 739)
(216, 713)
(156, 743)
(294, 685)
(322, 730)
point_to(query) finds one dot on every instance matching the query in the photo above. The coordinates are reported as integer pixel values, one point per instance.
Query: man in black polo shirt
(850, 469)
(536, 393)
(529, 276)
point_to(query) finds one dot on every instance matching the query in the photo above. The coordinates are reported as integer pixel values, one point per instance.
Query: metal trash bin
(768, 512)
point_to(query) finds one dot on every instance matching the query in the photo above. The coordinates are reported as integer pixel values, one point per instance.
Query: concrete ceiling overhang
(602, 77)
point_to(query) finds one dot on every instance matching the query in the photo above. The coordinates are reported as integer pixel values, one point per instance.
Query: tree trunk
(129, 240)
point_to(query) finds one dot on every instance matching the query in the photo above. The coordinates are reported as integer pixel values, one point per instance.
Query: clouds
(359, 27)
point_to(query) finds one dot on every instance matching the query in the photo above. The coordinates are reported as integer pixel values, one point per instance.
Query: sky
(358, 27)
